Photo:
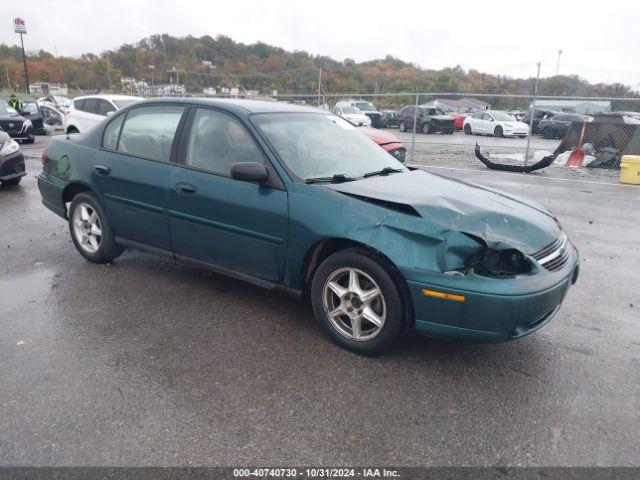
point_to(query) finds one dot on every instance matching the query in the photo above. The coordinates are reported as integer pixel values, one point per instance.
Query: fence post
(415, 121)
(533, 111)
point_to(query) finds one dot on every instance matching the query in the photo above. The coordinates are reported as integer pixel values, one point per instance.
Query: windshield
(121, 103)
(314, 145)
(350, 110)
(366, 106)
(503, 117)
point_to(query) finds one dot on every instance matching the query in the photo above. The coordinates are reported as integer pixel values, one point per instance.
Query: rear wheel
(402, 127)
(467, 129)
(426, 127)
(498, 132)
(73, 130)
(91, 231)
(357, 303)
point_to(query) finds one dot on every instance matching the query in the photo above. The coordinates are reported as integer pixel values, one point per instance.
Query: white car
(494, 122)
(365, 107)
(88, 111)
(352, 114)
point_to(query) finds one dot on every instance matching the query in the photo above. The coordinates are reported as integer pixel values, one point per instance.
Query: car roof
(110, 97)
(238, 105)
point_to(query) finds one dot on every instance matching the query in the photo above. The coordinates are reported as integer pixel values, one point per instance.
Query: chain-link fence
(443, 128)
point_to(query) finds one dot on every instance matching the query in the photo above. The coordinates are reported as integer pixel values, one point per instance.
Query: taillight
(44, 156)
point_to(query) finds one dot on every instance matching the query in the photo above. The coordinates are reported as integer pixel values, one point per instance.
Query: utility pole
(19, 26)
(558, 63)
(319, 84)
(533, 111)
(108, 71)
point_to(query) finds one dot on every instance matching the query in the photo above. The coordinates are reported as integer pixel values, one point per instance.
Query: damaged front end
(477, 257)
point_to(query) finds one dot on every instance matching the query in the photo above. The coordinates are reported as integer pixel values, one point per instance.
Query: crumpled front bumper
(490, 315)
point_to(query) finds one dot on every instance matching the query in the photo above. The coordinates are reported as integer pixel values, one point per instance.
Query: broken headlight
(498, 263)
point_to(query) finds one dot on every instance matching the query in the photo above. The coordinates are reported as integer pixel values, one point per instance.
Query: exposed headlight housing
(499, 263)
(9, 147)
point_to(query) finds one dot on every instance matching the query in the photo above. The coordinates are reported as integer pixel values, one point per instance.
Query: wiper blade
(337, 178)
(384, 171)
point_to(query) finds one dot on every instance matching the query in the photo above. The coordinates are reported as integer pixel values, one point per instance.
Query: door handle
(102, 170)
(185, 188)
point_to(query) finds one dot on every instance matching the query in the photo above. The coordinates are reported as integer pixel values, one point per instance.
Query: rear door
(235, 225)
(132, 171)
(90, 114)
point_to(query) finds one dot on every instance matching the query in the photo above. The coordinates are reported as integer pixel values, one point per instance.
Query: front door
(235, 225)
(132, 172)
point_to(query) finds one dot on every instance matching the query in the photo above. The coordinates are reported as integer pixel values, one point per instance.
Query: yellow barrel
(630, 169)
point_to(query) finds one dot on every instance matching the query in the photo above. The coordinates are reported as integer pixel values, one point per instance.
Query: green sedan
(286, 198)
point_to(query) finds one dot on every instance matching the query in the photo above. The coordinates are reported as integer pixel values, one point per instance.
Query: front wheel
(357, 303)
(402, 127)
(426, 127)
(467, 129)
(498, 132)
(91, 231)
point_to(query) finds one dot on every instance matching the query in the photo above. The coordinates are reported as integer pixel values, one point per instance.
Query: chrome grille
(555, 255)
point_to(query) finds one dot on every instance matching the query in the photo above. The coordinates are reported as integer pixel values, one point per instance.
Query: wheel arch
(73, 189)
(322, 249)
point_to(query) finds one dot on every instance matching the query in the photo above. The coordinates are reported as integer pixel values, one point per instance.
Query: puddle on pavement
(26, 290)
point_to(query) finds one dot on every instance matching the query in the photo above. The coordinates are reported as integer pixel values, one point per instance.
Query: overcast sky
(600, 40)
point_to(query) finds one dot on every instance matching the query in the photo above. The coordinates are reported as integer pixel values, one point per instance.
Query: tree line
(219, 62)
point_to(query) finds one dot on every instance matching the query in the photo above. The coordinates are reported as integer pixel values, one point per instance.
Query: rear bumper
(51, 190)
(12, 166)
(483, 316)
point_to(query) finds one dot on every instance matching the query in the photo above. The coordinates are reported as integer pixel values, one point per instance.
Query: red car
(459, 120)
(386, 140)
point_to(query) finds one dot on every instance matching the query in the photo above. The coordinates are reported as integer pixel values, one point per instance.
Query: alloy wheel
(354, 304)
(87, 227)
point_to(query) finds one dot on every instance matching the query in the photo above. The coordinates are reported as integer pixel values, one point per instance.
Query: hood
(381, 137)
(355, 116)
(501, 220)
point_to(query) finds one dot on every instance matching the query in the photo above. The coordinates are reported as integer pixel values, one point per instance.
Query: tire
(72, 130)
(547, 133)
(498, 132)
(12, 182)
(402, 127)
(97, 248)
(425, 128)
(30, 139)
(467, 129)
(386, 307)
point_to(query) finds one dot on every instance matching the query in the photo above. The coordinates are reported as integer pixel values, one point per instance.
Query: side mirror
(254, 172)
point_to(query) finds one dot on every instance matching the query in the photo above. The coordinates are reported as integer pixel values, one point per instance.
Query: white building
(46, 88)
(585, 107)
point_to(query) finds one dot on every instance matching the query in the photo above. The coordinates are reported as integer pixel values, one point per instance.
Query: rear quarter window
(112, 132)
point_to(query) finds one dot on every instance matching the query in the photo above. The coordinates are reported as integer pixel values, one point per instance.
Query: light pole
(19, 26)
(558, 63)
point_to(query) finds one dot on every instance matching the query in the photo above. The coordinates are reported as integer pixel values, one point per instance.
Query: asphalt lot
(149, 362)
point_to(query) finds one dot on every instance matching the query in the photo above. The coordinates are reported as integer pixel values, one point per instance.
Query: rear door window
(91, 105)
(148, 132)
